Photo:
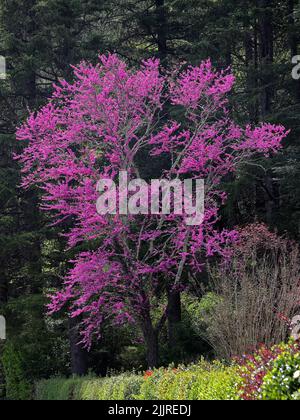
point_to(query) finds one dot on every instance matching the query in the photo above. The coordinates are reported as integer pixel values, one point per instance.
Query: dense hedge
(122, 387)
(268, 374)
(197, 382)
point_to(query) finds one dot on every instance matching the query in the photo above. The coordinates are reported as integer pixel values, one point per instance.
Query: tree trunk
(174, 317)
(251, 78)
(174, 300)
(293, 40)
(151, 341)
(266, 54)
(292, 34)
(152, 351)
(3, 287)
(161, 30)
(79, 356)
(271, 193)
(266, 29)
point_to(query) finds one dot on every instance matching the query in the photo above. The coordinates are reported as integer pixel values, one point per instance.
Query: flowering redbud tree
(99, 126)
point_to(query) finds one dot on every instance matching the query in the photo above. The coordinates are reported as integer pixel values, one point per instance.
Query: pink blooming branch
(97, 126)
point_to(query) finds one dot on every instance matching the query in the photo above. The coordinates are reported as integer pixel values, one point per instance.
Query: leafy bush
(122, 387)
(255, 369)
(283, 381)
(16, 385)
(197, 382)
(269, 374)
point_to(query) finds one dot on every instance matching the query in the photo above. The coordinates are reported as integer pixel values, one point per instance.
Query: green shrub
(123, 387)
(58, 389)
(203, 381)
(296, 396)
(199, 382)
(16, 385)
(283, 381)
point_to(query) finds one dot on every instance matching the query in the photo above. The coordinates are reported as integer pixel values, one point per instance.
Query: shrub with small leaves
(283, 382)
(122, 387)
(255, 368)
(202, 381)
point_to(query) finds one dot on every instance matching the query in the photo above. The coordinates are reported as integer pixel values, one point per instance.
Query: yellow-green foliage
(203, 381)
(123, 387)
(199, 382)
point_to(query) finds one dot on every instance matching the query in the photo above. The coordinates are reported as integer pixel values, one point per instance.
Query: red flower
(148, 374)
